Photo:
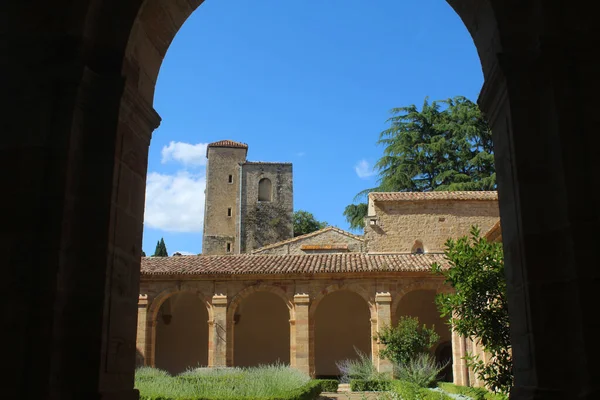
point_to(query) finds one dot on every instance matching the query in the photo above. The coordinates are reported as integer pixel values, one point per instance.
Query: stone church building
(307, 301)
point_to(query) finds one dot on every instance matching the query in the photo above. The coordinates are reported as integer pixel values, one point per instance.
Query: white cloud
(363, 169)
(301, 154)
(185, 153)
(175, 203)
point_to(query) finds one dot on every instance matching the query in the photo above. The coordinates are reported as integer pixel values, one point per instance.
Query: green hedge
(310, 391)
(410, 391)
(364, 385)
(476, 393)
(329, 385)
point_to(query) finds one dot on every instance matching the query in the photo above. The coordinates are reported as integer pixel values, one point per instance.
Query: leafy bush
(269, 382)
(422, 370)
(476, 393)
(361, 368)
(406, 340)
(478, 306)
(329, 385)
(361, 385)
(410, 391)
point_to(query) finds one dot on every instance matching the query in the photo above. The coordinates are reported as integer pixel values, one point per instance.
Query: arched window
(264, 190)
(418, 247)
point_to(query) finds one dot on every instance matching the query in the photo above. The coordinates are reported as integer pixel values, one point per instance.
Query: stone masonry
(326, 240)
(236, 219)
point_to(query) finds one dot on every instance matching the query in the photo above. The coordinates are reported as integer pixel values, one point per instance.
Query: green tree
(445, 146)
(405, 341)
(143, 253)
(478, 306)
(161, 249)
(305, 222)
(355, 214)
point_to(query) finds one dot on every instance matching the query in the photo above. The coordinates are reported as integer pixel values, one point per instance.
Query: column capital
(383, 297)
(219, 300)
(301, 298)
(135, 109)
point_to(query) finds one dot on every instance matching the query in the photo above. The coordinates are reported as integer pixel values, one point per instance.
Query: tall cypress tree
(157, 250)
(163, 248)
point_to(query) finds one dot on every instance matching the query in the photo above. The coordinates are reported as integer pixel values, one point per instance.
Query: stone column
(218, 332)
(383, 301)
(142, 330)
(540, 101)
(460, 372)
(303, 359)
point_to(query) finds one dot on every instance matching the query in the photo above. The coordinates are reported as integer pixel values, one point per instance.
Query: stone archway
(196, 334)
(84, 115)
(341, 322)
(279, 303)
(420, 303)
(261, 331)
(182, 333)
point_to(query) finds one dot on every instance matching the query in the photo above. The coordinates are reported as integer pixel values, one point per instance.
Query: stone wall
(400, 224)
(221, 228)
(322, 238)
(266, 222)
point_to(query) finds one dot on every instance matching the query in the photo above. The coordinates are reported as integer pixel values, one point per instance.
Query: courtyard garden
(279, 382)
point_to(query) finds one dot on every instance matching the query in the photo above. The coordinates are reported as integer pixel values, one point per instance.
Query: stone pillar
(540, 101)
(302, 357)
(218, 334)
(142, 330)
(460, 372)
(383, 301)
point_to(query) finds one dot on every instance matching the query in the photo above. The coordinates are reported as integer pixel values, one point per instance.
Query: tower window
(229, 212)
(229, 247)
(264, 190)
(230, 178)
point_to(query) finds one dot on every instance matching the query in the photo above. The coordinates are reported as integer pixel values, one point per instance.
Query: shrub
(361, 385)
(406, 340)
(410, 391)
(361, 368)
(329, 385)
(266, 382)
(479, 306)
(476, 393)
(421, 370)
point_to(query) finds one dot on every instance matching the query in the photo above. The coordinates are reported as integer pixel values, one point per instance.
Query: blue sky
(308, 82)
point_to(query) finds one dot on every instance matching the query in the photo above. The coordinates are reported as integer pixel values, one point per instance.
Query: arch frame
(152, 320)
(239, 298)
(312, 311)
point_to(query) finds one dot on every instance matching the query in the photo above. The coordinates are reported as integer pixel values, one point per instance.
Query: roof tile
(289, 264)
(416, 196)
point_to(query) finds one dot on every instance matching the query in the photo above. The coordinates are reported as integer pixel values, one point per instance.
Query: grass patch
(272, 382)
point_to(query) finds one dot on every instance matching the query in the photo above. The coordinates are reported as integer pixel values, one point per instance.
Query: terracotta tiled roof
(301, 237)
(289, 264)
(227, 143)
(415, 196)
